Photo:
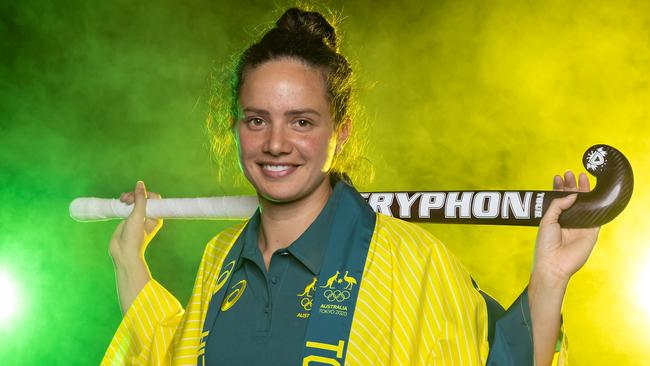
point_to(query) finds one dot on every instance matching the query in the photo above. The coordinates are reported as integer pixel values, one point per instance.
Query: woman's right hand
(132, 235)
(129, 243)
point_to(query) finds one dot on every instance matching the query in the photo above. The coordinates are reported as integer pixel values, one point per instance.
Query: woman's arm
(128, 244)
(559, 253)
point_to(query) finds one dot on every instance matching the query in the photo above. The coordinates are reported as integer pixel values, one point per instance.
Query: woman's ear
(342, 134)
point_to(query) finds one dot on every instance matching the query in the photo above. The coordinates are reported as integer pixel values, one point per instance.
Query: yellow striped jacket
(416, 306)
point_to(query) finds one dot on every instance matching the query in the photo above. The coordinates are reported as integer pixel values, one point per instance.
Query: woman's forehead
(284, 83)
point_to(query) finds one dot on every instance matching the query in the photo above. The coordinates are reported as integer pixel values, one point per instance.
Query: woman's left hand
(559, 252)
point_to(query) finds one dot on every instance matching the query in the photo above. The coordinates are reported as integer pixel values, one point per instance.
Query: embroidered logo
(306, 298)
(336, 293)
(224, 275)
(236, 291)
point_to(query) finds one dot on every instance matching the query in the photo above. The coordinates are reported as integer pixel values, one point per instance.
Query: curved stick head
(614, 186)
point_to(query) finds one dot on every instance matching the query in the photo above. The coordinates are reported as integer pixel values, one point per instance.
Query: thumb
(557, 206)
(140, 207)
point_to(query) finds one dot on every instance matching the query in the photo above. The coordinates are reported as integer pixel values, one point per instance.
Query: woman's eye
(255, 122)
(303, 123)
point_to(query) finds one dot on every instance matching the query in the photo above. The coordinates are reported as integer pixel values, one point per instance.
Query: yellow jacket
(416, 306)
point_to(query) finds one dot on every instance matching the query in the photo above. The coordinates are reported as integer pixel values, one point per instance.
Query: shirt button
(274, 280)
(266, 310)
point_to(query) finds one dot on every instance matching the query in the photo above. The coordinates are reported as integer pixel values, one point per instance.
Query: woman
(315, 277)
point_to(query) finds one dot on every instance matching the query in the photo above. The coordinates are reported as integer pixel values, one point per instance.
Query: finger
(583, 183)
(151, 226)
(557, 206)
(569, 181)
(558, 184)
(140, 207)
(129, 198)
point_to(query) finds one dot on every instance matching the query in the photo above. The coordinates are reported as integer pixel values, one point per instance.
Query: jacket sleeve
(147, 329)
(510, 334)
(156, 330)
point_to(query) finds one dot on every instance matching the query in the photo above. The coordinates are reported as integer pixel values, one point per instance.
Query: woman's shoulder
(404, 244)
(396, 233)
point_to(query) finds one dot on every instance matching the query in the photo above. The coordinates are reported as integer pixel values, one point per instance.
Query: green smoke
(459, 95)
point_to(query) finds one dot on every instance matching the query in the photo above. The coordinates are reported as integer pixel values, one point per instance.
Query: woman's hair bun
(308, 22)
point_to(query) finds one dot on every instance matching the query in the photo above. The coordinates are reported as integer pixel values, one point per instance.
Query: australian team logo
(334, 294)
(307, 297)
(336, 290)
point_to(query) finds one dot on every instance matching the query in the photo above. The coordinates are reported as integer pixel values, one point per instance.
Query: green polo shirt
(267, 323)
(264, 315)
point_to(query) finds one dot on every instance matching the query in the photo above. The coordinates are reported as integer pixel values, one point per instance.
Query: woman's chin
(280, 195)
(276, 199)
(285, 195)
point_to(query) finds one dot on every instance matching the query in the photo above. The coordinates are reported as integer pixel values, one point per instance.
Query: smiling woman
(315, 276)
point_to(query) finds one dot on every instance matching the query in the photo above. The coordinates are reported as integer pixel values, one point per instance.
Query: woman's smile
(277, 170)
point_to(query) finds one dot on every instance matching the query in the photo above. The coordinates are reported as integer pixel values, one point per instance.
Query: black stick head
(613, 190)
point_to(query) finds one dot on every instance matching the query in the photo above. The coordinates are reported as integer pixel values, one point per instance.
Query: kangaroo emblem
(331, 280)
(311, 287)
(350, 280)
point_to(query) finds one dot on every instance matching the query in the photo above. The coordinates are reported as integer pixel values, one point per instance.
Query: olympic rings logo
(336, 295)
(306, 303)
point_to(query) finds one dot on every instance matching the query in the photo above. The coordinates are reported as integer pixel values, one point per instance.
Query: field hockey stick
(613, 190)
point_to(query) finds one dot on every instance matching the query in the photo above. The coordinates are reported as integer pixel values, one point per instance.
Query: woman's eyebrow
(301, 111)
(292, 112)
(256, 111)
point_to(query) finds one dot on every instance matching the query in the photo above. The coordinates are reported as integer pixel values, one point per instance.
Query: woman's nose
(278, 141)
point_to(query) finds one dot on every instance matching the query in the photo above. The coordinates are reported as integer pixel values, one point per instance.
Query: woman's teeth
(275, 168)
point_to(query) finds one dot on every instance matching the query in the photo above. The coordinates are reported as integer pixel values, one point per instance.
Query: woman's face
(287, 137)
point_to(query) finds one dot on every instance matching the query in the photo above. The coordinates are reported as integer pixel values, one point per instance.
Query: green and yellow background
(458, 95)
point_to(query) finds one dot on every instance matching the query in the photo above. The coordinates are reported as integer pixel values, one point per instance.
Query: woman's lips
(277, 170)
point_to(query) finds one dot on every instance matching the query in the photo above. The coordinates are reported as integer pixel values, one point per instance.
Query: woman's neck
(282, 223)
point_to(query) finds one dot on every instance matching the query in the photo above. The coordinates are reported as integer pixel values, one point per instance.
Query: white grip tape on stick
(231, 207)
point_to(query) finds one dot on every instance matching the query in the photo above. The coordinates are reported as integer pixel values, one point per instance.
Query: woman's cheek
(316, 147)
